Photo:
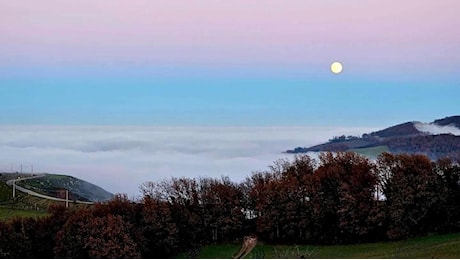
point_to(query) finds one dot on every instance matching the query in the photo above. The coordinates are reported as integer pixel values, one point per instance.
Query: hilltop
(440, 138)
(452, 121)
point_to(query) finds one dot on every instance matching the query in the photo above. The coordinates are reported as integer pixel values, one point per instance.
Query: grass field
(10, 213)
(23, 205)
(433, 246)
(373, 152)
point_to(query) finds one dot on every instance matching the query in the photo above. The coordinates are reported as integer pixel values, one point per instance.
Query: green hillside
(24, 205)
(54, 185)
(372, 152)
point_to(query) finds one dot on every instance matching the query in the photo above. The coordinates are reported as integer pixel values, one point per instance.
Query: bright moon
(336, 67)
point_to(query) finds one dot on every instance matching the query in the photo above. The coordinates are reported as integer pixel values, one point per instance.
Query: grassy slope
(434, 246)
(78, 189)
(10, 213)
(23, 206)
(373, 152)
(9, 210)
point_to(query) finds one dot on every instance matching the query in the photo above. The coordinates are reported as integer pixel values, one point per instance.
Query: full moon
(336, 67)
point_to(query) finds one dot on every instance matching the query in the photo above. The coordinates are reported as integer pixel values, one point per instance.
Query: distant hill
(440, 138)
(55, 185)
(452, 121)
(405, 129)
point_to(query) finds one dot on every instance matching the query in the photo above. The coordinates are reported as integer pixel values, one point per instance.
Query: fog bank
(119, 159)
(437, 129)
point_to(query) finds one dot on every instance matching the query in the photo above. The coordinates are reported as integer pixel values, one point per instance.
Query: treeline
(343, 138)
(435, 146)
(340, 198)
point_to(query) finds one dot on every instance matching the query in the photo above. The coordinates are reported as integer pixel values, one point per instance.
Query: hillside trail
(249, 242)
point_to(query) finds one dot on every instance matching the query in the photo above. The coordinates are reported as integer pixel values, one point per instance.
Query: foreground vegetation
(343, 198)
(433, 246)
(7, 213)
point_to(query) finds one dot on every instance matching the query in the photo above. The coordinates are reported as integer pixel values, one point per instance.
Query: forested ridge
(401, 138)
(340, 198)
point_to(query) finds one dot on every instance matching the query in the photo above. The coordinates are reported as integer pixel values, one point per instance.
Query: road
(33, 193)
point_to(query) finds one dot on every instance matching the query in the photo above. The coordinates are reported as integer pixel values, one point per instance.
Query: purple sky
(383, 35)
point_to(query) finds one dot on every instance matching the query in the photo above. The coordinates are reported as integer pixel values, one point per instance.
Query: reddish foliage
(342, 198)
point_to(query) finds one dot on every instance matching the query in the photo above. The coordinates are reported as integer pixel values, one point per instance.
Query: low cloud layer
(119, 159)
(437, 129)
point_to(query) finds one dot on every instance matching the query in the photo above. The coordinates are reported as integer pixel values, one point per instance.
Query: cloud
(437, 129)
(119, 159)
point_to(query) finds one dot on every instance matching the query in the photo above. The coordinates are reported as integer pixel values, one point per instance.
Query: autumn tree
(17, 238)
(449, 173)
(87, 236)
(266, 199)
(182, 195)
(70, 240)
(412, 193)
(344, 200)
(297, 186)
(158, 229)
(221, 208)
(280, 197)
(108, 237)
(8, 246)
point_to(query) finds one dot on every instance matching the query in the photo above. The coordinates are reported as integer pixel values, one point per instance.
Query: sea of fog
(121, 158)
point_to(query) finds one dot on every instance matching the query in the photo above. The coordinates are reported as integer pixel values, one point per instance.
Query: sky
(228, 63)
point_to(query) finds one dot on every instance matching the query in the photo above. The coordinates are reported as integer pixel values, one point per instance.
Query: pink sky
(226, 33)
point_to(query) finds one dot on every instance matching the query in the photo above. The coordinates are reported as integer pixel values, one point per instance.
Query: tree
(344, 199)
(280, 198)
(449, 173)
(158, 229)
(87, 236)
(109, 238)
(412, 194)
(70, 240)
(221, 208)
(7, 241)
(297, 183)
(183, 199)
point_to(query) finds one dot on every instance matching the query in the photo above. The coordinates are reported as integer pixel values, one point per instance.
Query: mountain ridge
(401, 138)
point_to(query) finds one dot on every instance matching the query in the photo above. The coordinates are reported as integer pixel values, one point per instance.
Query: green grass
(371, 151)
(10, 213)
(6, 192)
(433, 246)
(23, 205)
(56, 177)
